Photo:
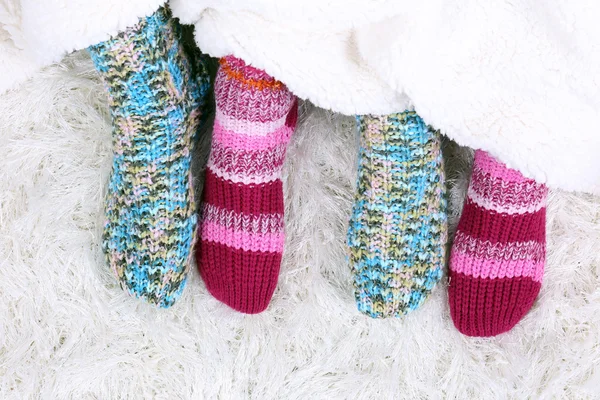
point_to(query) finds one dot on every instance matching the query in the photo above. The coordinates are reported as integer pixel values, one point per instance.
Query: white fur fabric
(520, 79)
(67, 331)
(36, 33)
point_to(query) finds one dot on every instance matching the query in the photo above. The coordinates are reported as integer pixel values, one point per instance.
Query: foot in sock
(242, 224)
(155, 108)
(499, 251)
(398, 228)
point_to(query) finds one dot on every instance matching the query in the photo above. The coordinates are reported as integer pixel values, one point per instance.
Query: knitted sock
(155, 109)
(499, 251)
(398, 227)
(242, 223)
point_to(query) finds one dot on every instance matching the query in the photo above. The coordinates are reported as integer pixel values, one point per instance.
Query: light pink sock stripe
(241, 166)
(260, 159)
(506, 193)
(512, 251)
(264, 242)
(246, 179)
(482, 268)
(501, 207)
(249, 128)
(251, 223)
(488, 164)
(246, 142)
(489, 179)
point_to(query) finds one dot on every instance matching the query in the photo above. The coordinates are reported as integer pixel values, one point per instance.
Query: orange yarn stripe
(252, 83)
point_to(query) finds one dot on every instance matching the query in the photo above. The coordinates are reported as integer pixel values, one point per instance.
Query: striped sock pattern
(242, 221)
(499, 251)
(398, 229)
(155, 108)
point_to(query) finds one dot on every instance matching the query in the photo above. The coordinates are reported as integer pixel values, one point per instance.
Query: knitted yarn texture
(398, 228)
(155, 105)
(242, 216)
(499, 251)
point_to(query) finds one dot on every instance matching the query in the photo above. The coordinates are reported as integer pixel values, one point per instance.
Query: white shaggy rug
(68, 331)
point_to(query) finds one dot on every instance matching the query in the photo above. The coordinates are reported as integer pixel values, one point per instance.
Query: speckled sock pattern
(398, 229)
(155, 105)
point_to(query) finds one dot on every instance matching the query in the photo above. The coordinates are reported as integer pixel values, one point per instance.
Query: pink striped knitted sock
(499, 251)
(242, 213)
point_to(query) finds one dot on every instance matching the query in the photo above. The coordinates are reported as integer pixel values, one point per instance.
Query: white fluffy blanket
(68, 332)
(520, 79)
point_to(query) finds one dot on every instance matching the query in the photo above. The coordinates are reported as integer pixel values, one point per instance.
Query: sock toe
(488, 307)
(243, 280)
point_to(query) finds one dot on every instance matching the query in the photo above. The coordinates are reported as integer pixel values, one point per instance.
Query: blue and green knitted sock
(155, 104)
(398, 228)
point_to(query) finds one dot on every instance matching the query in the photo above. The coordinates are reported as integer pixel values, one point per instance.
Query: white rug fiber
(67, 331)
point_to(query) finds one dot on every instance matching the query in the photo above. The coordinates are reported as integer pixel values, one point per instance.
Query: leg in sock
(242, 224)
(155, 108)
(398, 228)
(499, 251)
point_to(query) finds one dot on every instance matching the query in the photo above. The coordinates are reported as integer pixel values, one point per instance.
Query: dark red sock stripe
(244, 280)
(489, 307)
(484, 224)
(265, 198)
